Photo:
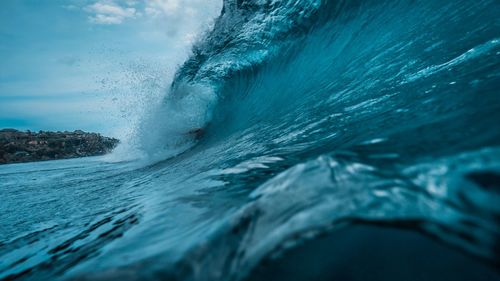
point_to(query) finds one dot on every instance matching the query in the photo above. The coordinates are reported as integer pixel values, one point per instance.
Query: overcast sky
(91, 64)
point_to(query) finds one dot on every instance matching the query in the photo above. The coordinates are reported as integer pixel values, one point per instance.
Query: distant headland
(26, 146)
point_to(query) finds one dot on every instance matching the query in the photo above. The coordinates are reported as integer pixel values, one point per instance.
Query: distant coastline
(26, 146)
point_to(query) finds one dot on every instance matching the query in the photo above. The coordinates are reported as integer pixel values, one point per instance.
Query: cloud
(106, 12)
(159, 7)
(181, 20)
(170, 13)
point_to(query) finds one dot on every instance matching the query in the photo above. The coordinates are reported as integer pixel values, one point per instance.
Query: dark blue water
(342, 140)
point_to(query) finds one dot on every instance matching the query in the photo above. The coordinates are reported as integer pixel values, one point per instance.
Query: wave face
(318, 116)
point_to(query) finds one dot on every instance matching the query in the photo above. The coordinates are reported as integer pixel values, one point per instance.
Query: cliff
(17, 146)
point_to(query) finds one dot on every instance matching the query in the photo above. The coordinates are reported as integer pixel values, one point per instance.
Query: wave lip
(247, 34)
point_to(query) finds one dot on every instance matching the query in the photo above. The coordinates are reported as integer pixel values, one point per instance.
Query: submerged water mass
(342, 140)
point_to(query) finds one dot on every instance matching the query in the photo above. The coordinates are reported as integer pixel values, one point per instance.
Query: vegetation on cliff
(18, 146)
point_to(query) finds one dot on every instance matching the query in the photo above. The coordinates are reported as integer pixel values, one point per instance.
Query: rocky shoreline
(18, 146)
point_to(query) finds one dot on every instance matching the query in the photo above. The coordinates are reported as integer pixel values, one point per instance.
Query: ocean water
(341, 140)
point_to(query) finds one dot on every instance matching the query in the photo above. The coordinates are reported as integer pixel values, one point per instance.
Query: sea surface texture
(314, 140)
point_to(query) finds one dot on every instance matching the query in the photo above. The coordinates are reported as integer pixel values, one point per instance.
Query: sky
(93, 65)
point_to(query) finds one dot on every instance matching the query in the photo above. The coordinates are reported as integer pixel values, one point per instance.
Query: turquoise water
(327, 125)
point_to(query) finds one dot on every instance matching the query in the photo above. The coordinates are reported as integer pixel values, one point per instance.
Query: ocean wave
(290, 121)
